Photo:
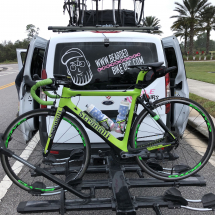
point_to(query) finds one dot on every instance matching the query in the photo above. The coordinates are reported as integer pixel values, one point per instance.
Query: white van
(95, 65)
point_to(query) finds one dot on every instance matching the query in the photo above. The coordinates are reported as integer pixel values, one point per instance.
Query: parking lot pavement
(203, 89)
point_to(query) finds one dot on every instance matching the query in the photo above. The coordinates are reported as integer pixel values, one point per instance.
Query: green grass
(199, 71)
(205, 103)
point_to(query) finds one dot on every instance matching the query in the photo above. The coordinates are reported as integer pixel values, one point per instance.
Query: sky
(16, 14)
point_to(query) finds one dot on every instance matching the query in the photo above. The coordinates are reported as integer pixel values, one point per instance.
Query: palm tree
(182, 28)
(208, 20)
(191, 10)
(152, 21)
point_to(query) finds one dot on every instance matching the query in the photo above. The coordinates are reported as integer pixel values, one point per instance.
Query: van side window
(37, 60)
(45, 56)
(171, 59)
(23, 63)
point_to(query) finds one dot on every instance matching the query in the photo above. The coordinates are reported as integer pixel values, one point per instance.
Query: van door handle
(177, 86)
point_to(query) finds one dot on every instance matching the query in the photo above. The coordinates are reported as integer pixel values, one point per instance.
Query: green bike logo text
(94, 124)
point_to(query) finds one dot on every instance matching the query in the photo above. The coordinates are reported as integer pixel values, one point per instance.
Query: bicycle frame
(66, 104)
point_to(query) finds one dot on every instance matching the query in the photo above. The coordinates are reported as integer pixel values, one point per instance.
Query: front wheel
(26, 136)
(165, 160)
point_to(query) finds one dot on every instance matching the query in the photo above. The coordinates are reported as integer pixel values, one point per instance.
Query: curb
(200, 129)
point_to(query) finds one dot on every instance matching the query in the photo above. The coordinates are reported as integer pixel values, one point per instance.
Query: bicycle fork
(57, 119)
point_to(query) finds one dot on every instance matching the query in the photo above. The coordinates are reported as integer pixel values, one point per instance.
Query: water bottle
(104, 120)
(121, 117)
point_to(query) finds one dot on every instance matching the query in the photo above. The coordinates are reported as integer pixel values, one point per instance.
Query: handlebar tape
(51, 95)
(40, 84)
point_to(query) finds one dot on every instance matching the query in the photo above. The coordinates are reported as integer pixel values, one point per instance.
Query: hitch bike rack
(121, 201)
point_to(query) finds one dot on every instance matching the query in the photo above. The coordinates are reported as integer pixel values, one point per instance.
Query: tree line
(195, 18)
(8, 49)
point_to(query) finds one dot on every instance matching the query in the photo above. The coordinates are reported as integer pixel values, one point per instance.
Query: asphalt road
(8, 98)
(8, 205)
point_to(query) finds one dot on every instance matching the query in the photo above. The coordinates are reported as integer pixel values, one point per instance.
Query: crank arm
(143, 153)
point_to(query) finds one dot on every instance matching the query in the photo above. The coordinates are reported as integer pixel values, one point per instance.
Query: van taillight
(42, 94)
(168, 92)
(54, 152)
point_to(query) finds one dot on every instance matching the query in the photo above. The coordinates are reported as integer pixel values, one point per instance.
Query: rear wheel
(82, 8)
(26, 137)
(138, 11)
(185, 118)
(117, 12)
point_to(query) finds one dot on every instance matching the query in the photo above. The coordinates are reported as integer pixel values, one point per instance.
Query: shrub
(184, 57)
(208, 57)
(190, 57)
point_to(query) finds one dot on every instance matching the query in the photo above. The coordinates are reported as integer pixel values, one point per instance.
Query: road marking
(8, 73)
(7, 85)
(17, 166)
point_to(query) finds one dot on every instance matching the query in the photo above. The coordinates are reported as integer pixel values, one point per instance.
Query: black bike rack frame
(122, 201)
(100, 28)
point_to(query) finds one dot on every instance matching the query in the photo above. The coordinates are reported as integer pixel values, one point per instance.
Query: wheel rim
(138, 11)
(32, 152)
(190, 151)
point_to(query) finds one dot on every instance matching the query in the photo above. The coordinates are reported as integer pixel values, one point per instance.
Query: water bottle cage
(107, 128)
(119, 122)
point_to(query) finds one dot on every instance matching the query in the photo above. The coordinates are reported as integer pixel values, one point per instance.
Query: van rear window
(92, 66)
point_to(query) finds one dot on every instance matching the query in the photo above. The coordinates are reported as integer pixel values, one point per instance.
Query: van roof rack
(100, 28)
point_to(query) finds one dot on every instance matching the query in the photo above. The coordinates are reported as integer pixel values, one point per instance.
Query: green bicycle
(158, 138)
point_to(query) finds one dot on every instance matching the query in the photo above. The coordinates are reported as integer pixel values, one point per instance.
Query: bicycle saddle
(153, 65)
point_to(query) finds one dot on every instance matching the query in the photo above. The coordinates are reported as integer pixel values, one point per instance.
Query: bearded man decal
(78, 67)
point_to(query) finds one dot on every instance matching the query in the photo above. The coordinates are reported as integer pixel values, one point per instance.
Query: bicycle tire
(119, 13)
(174, 163)
(114, 13)
(73, 11)
(138, 10)
(14, 139)
(81, 12)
